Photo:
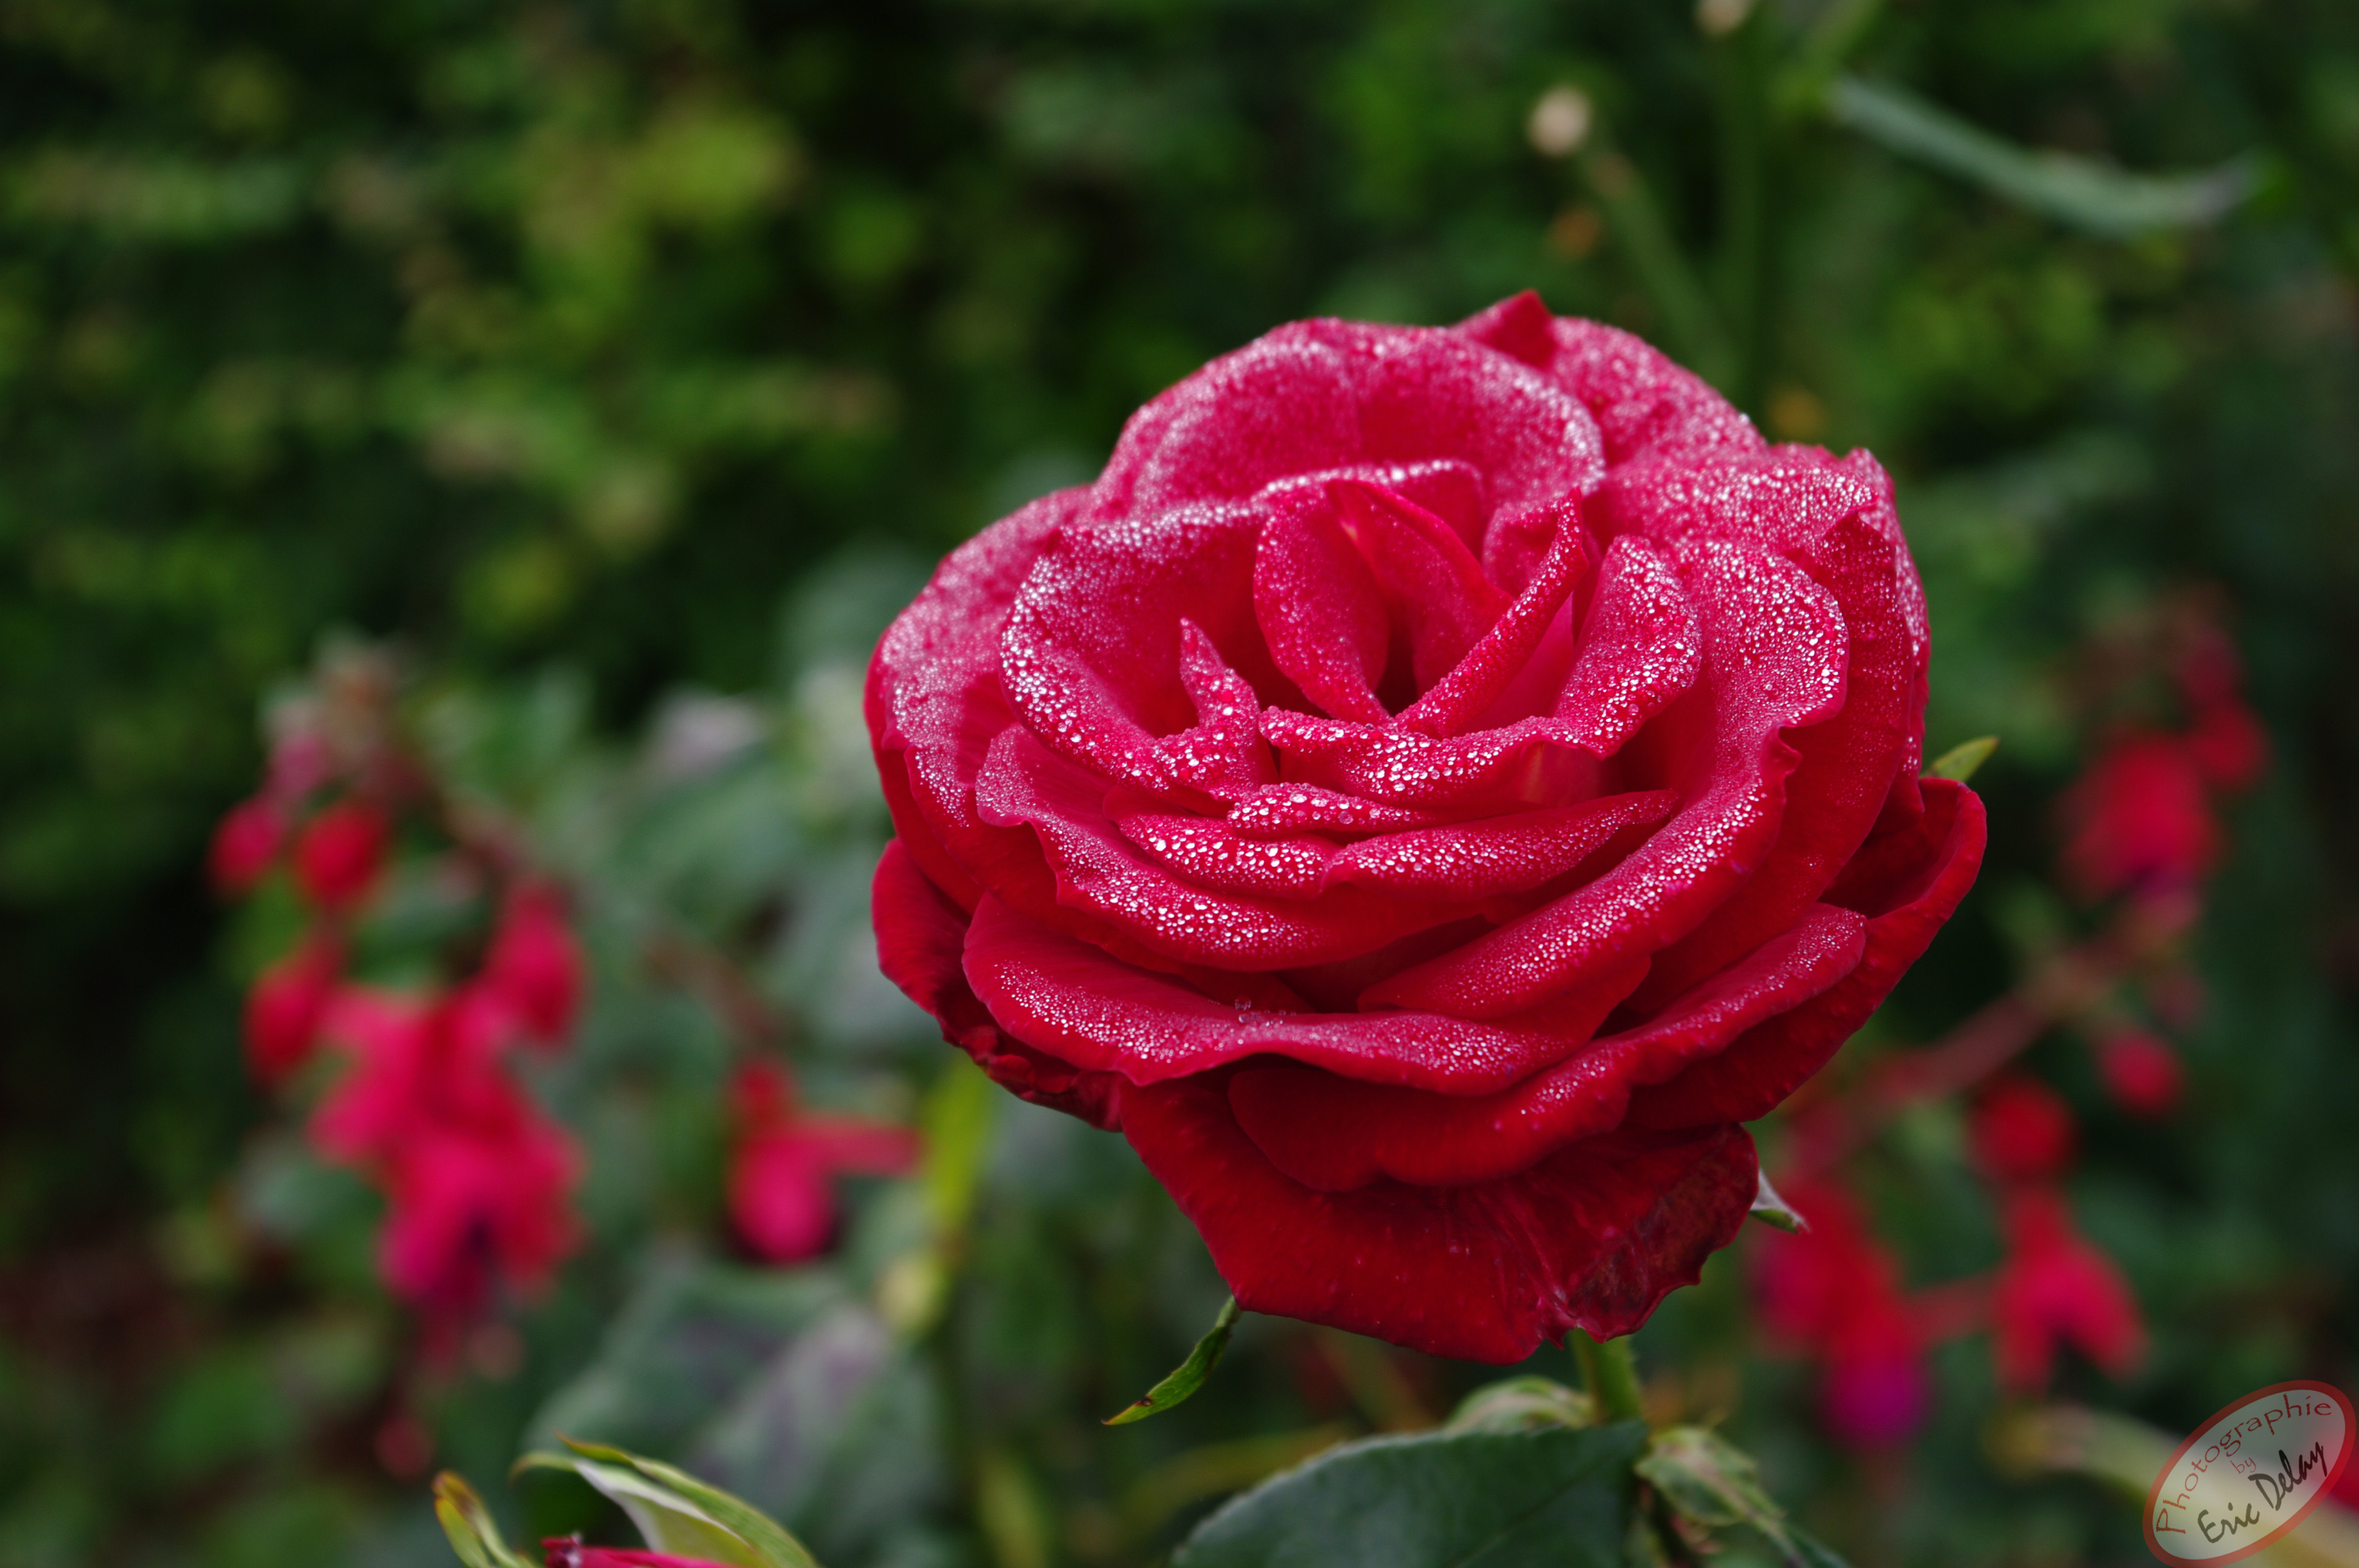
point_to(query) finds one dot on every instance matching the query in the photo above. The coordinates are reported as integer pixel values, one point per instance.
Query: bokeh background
(611, 370)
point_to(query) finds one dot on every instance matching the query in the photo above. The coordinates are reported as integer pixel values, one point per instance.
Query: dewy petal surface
(1072, 1001)
(1775, 658)
(1336, 1135)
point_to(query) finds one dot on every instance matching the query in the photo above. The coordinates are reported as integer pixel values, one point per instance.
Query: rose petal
(1640, 648)
(1071, 1001)
(1481, 674)
(1908, 884)
(1839, 786)
(1282, 810)
(1430, 393)
(1475, 860)
(920, 942)
(1112, 691)
(933, 696)
(1533, 761)
(1210, 852)
(1591, 1238)
(1775, 646)
(1643, 405)
(1334, 1134)
(1320, 609)
(1314, 396)
(1434, 586)
(1282, 404)
(1115, 888)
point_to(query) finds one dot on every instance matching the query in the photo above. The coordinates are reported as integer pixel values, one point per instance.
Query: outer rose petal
(1839, 786)
(1591, 1238)
(1907, 883)
(1643, 403)
(1335, 1135)
(1074, 1005)
(920, 934)
(933, 698)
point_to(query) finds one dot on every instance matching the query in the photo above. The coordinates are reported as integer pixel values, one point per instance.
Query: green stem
(1611, 1374)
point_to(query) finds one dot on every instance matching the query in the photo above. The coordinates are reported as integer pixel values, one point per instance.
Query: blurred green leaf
(1962, 760)
(1522, 1404)
(1186, 1378)
(1772, 1210)
(2073, 189)
(1478, 1500)
(676, 1512)
(689, 1338)
(474, 1533)
(1711, 1482)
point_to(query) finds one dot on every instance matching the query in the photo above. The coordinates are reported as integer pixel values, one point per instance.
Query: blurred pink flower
(2140, 819)
(781, 1177)
(2056, 1290)
(286, 1004)
(339, 852)
(2020, 1131)
(534, 965)
(244, 844)
(1834, 1291)
(2142, 1072)
(476, 1177)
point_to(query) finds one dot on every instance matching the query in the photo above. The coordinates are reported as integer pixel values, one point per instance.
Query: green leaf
(1189, 1376)
(2076, 190)
(1522, 1404)
(1709, 1479)
(1810, 1551)
(473, 1534)
(1772, 1210)
(1468, 1499)
(1961, 762)
(1711, 1482)
(677, 1513)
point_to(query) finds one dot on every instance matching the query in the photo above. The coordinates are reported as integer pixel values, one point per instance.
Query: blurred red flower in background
(2056, 1290)
(534, 965)
(244, 844)
(283, 1008)
(2020, 1131)
(2140, 818)
(2141, 1072)
(476, 1175)
(1834, 1291)
(339, 854)
(782, 1175)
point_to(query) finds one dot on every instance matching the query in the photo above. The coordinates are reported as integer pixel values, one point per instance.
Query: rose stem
(1611, 1374)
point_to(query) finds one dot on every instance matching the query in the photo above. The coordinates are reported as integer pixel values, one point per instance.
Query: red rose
(1428, 792)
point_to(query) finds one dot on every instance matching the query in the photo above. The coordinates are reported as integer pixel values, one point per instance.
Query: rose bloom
(1428, 792)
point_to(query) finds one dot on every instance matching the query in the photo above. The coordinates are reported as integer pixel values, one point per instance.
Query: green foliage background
(575, 335)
